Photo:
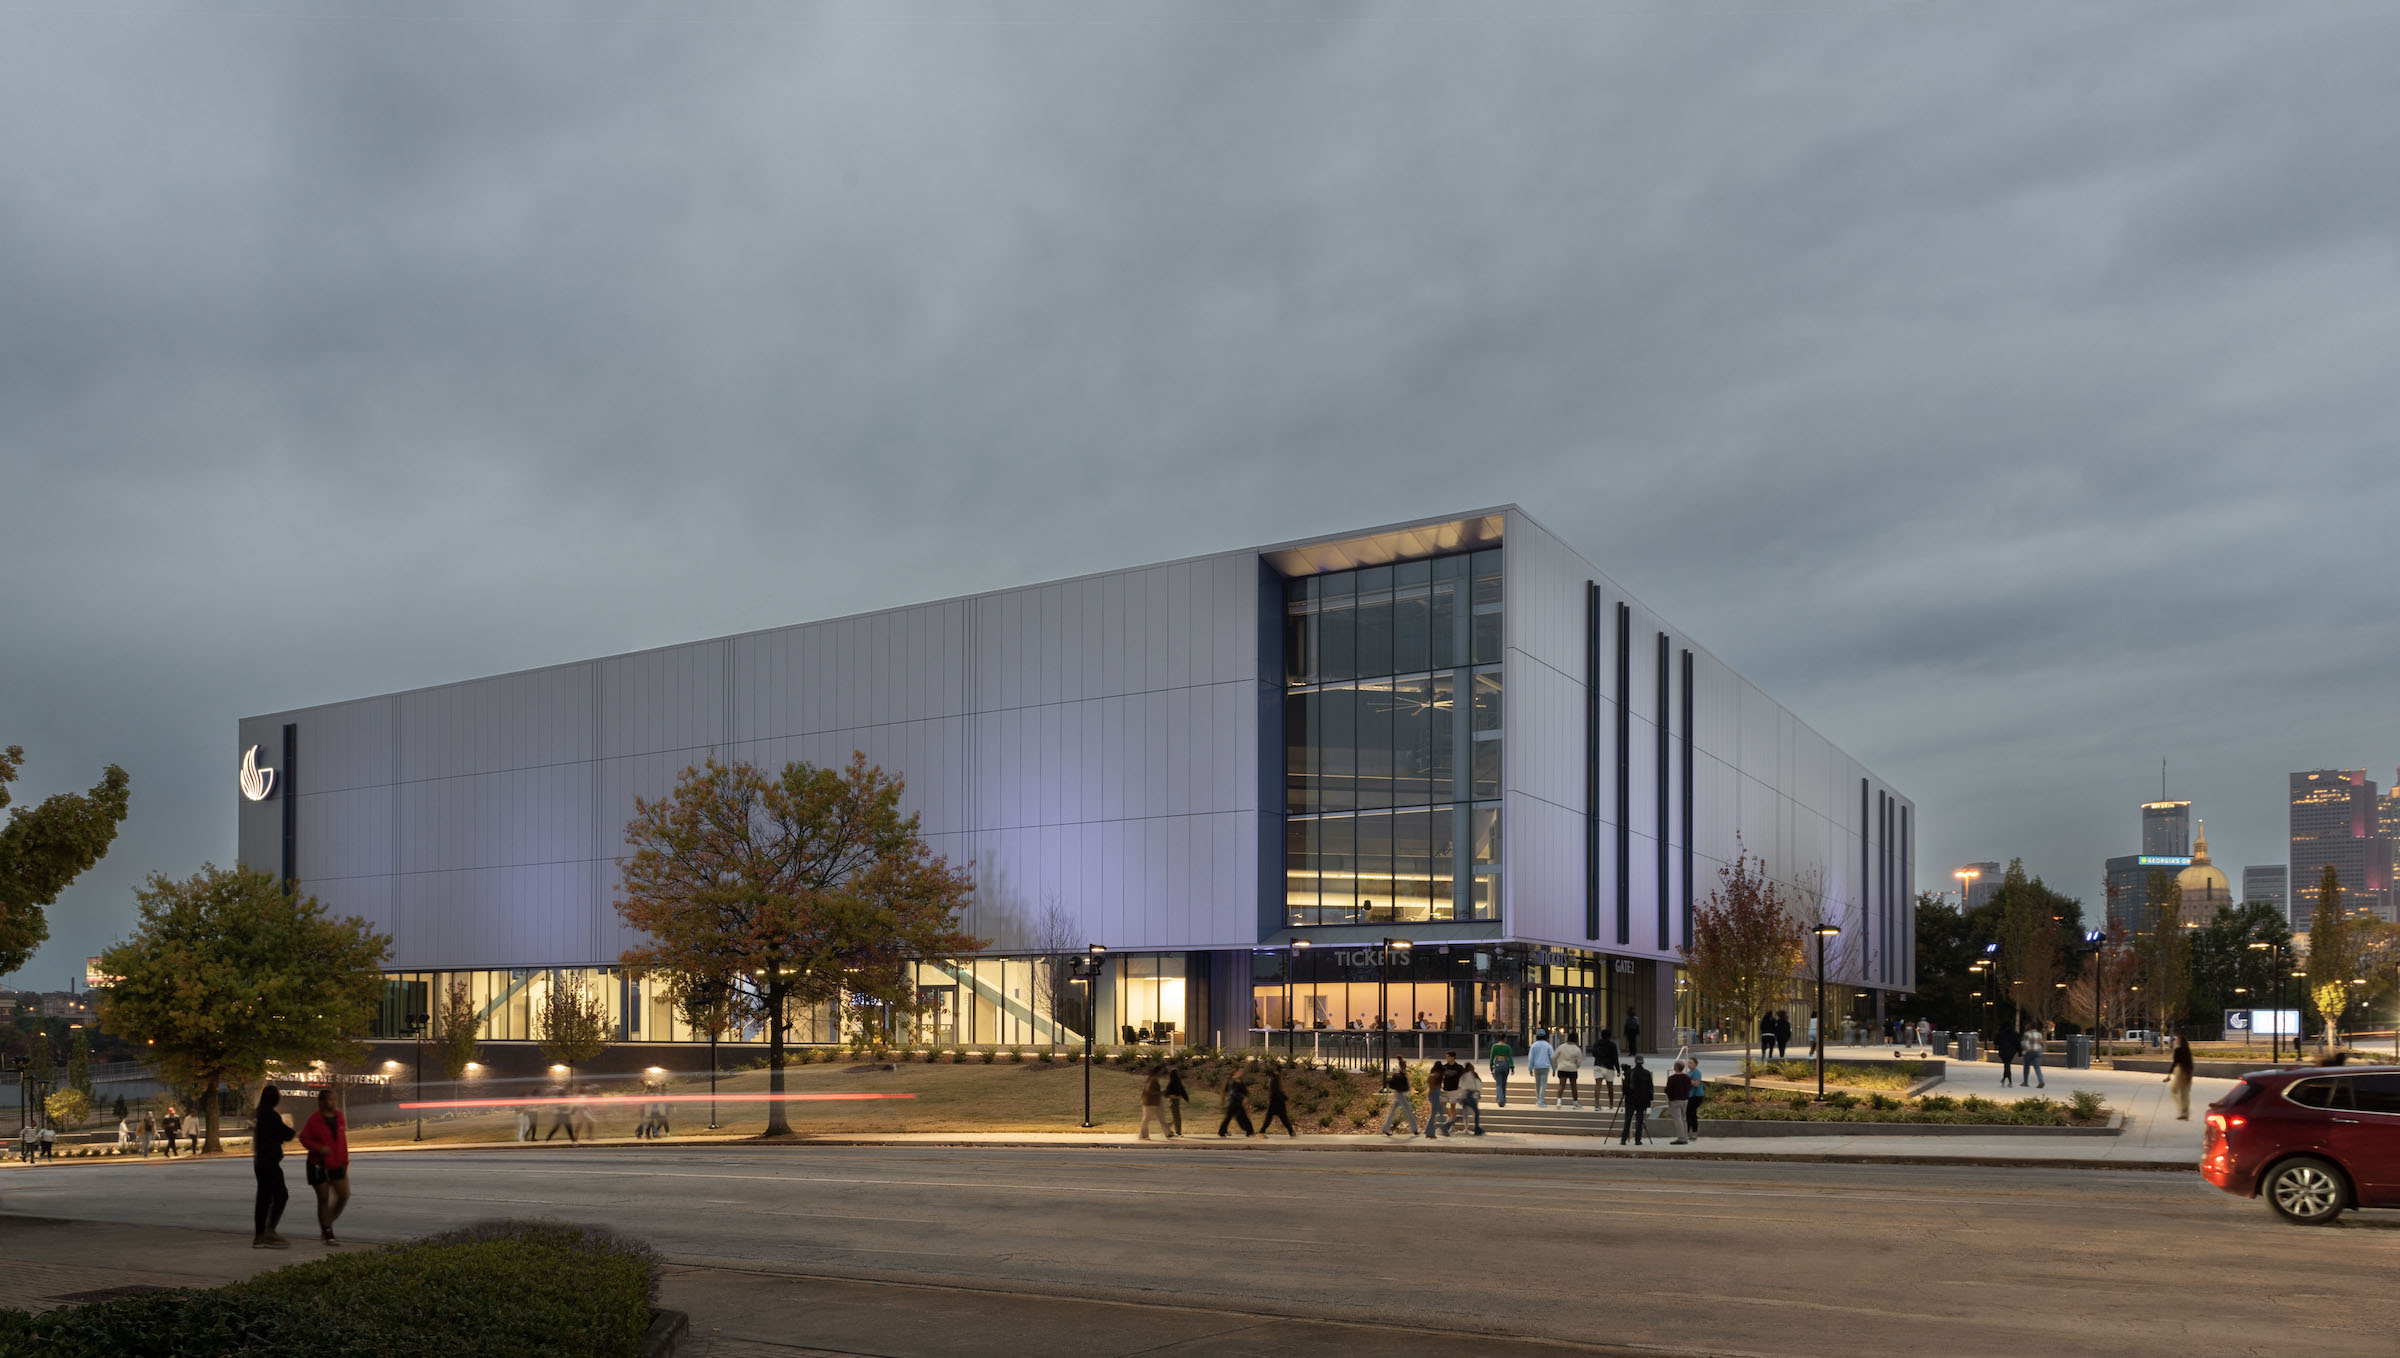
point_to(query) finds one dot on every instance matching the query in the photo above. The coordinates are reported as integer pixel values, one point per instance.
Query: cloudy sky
(2015, 395)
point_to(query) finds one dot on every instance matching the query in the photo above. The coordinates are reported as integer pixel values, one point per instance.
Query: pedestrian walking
(143, 1144)
(326, 1137)
(1783, 1034)
(1567, 1061)
(170, 1126)
(1277, 1109)
(1541, 1058)
(196, 1122)
(49, 1142)
(27, 1139)
(2032, 1068)
(1470, 1097)
(562, 1114)
(1633, 1031)
(525, 1123)
(1503, 1061)
(1812, 1034)
(125, 1133)
(1605, 1063)
(2004, 1045)
(1176, 1094)
(1397, 1083)
(268, 1132)
(1638, 1089)
(1679, 1088)
(1448, 1075)
(1237, 1105)
(2179, 1078)
(1154, 1108)
(1691, 1104)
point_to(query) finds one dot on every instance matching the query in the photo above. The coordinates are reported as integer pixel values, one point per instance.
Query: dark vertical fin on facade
(1866, 875)
(1591, 759)
(1666, 938)
(1687, 799)
(1624, 773)
(1271, 837)
(1908, 908)
(291, 807)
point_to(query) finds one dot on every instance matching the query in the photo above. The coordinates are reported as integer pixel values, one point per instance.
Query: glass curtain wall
(1393, 742)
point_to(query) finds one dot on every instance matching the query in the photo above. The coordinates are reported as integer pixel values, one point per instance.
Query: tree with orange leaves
(787, 891)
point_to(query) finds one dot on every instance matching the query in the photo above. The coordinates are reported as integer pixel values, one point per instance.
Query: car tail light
(2224, 1122)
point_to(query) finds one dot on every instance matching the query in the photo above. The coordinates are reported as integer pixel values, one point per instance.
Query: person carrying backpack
(1503, 1061)
(1638, 1088)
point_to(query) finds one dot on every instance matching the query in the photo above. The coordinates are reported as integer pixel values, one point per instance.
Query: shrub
(1976, 1103)
(1015, 1055)
(1882, 1103)
(523, 1289)
(932, 1055)
(2087, 1103)
(990, 1056)
(1049, 1055)
(1841, 1099)
(1937, 1103)
(1798, 1103)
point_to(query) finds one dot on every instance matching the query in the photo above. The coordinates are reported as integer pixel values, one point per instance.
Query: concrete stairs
(1522, 1116)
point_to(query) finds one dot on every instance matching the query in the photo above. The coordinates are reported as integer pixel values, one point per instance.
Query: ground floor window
(1436, 989)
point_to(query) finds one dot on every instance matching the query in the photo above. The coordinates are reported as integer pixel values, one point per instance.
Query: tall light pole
(1383, 994)
(2096, 944)
(1087, 970)
(2274, 953)
(1291, 977)
(1823, 931)
(1966, 885)
(416, 1029)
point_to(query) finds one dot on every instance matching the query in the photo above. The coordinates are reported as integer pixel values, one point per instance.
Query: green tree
(2035, 928)
(2166, 952)
(457, 1023)
(38, 1061)
(1945, 949)
(120, 1108)
(68, 1108)
(79, 1063)
(2335, 944)
(800, 888)
(2227, 973)
(43, 848)
(571, 1022)
(227, 972)
(1745, 944)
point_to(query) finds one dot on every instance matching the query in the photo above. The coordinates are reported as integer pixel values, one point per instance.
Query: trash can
(1941, 1044)
(1966, 1047)
(2079, 1052)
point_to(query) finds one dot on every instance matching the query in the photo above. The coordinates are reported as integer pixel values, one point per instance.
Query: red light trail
(631, 1099)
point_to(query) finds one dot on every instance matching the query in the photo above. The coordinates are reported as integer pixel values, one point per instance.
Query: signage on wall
(256, 782)
(2165, 860)
(1625, 966)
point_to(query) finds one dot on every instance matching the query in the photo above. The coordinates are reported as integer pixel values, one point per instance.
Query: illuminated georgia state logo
(256, 782)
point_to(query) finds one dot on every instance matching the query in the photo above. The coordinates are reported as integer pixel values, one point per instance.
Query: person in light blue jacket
(1539, 1058)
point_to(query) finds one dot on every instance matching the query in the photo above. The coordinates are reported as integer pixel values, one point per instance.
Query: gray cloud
(2010, 393)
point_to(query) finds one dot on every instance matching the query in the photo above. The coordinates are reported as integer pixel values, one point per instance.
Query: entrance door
(939, 1016)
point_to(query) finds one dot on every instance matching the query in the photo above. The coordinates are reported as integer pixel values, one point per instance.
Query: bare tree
(1056, 942)
(1745, 943)
(1813, 905)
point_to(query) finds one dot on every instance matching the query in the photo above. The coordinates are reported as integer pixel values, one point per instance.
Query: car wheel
(2305, 1191)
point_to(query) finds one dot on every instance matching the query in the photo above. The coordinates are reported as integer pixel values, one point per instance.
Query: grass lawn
(1001, 1097)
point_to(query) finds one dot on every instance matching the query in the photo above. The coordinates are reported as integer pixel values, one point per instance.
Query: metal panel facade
(1106, 745)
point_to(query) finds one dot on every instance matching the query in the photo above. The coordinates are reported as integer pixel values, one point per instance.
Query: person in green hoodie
(1503, 1061)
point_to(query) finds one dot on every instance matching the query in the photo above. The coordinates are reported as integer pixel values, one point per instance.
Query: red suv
(2312, 1142)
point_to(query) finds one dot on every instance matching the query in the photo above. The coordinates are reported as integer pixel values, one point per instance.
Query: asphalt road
(1753, 1258)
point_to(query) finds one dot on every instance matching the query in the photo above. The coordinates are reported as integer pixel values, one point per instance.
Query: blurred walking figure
(1276, 1107)
(1237, 1104)
(1470, 1096)
(49, 1142)
(170, 1125)
(2033, 1060)
(267, 1135)
(525, 1123)
(1540, 1058)
(2004, 1044)
(585, 1118)
(1176, 1094)
(1568, 1060)
(1397, 1083)
(326, 1136)
(1154, 1108)
(562, 1113)
(1691, 1104)
(125, 1133)
(27, 1139)
(145, 1135)
(2179, 1078)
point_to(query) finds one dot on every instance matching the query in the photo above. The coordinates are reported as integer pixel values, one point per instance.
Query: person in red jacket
(327, 1137)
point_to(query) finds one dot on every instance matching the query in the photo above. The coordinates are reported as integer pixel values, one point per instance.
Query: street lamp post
(1823, 931)
(2096, 944)
(1291, 976)
(2274, 953)
(416, 1029)
(1966, 885)
(1087, 970)
(1383, 994)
